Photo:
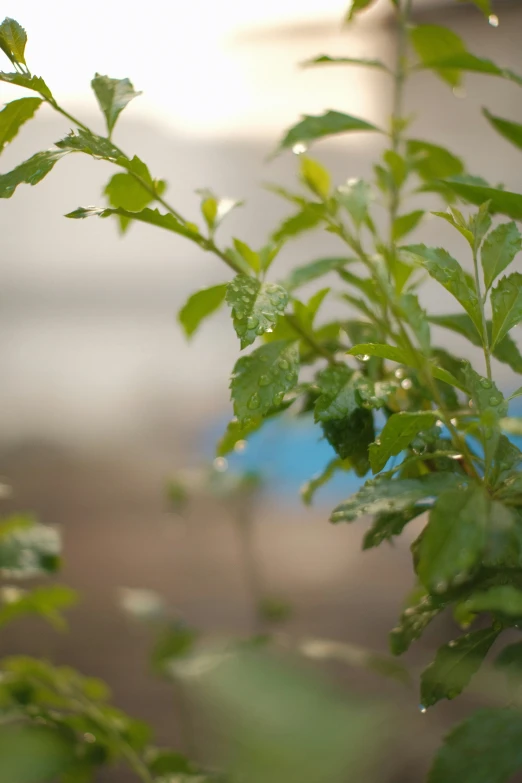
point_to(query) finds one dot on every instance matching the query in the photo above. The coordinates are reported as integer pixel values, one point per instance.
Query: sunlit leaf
(14, 115)
(199, 306)
(331, 123)
(30, 172)
(113, 96)
(433, 43)
(511, 131)
(35, 83)
(13, 39)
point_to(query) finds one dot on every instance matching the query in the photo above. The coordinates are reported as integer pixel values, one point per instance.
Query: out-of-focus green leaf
(331, 123)
(152, 216)
(355, 197)
(14, 115)
(46, 602)
(511, 131)
(301, 275)
(501, 201)
(33, 754)
(356, 6)
(200, 305)
(27, 548)
(433, 43)
(403, 224)
(325, 59)
(431, 161)
(506, 303)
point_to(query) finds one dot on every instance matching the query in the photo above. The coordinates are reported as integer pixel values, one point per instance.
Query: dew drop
(88, 737)
(399, 373)
(241, 329)
(220, 464)
(299, 148)
(234, 287)
(283, 364)
(254, 402)
(493, 20)
(240, 446)
(458, 92)
(363, 358)
(269, 330)
(290, 377)
(260, 329)
(439, 423)
(452, 643)
(454, 421)
(471, 404)
(494, 400)
(264, 380)
(441, 587)
(252, 321)
(422, 709)
(406, 384)
(278, 398)
(485, 383)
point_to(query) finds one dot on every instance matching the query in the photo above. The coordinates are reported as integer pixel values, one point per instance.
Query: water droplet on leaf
(299, 148)
(252, 321)
(493, 20)
(485, 383)
(406, 384)
(283, 364)
(422, 708)
(254, 402)
(220, 464)
(264, 380)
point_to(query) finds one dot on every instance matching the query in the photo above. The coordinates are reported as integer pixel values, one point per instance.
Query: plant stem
(310, 339)
(397, 120)
(481, 300)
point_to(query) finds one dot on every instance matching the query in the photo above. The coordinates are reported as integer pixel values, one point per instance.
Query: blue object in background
(287, 452)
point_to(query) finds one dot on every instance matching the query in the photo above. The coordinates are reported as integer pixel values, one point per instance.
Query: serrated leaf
(403, 224)
(431, 161)
(355, 197)
(448, 272)
(397, 434)
(307, 218)
(485, 748)
(506, 304)
(316, 177)
(30, 171)
(35, 83)
(499, 249)
(27, 548)
(501, 201)
(14, 115)
(384, 494)
(433, 43)
(511, 131)
(255, 306)
(331, 123)
(458, 224)
(454, 539)
(13, 39)
(414, 620)
(325, 59)
(82, 140)
(479, 224)
(301, 275)
(261, 379)
(151, 216)
(47, 602)
(454, 666)
(310, 487)
(339, 396)
(386, 526)
(199, 306)
(113, 95)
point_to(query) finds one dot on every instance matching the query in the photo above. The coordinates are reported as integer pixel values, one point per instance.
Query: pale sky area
(204, 67)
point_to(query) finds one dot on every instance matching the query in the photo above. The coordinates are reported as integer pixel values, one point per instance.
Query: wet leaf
(397, 434)
(506, 304)
(255, 306)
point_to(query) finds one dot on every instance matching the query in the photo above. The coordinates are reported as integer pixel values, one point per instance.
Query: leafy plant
(427, 429)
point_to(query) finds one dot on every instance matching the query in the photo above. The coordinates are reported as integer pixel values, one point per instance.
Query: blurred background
(102, 399)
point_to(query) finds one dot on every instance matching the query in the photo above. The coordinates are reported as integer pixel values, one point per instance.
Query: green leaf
(403, 224)
(454, 666)
(13, 39)
(47, 602)
(27, 548)
(316, 177)
(382, 351)
(414, 620)
(417, 319)
(509, 661)
(485, 748)
(482, 5)
(479, 224)
(431, 162)
(355, 197)
(384, 494)
(506, 304)
(397, 434)
(34, 754)
(511, 131)
(14, 115)
(82, 140)
(301, 275)
(176, 641)
(30, 172)
(454, 539)
(151, 216)
(501, 201)
(307, 218)
(501, 599)
(448, 272)
(505, 351)
(386, 526)
(499, 250)
(433, 43)
(310, 487)
(465, 61)
(247, 255)
(339, 396)
(113, 95)
(255, 307)
(325, 59)
(125, 191)
(331, 123)
(351, 436)
(199, 306)
(34, 83)
(261, 379)
(214, 209)
(455, 219)
(356, 7)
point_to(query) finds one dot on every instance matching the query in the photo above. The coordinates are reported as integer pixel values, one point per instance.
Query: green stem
(397, 120)
(310, 339)
(482, 299)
